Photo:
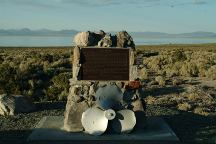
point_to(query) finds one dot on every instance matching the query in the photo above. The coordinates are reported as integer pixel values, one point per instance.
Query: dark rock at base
(139, 108)
(14, 104)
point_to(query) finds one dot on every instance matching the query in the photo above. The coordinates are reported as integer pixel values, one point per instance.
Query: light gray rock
(120, 84)
(81, 39)
(92, 90)
(76, 105)
(132, 57)
(73, 115)
(14, 104)
(76, 63)
(76, 55)
(121, 39)
(105, 42)
(124, 40)
(88, 38)
(133, 73)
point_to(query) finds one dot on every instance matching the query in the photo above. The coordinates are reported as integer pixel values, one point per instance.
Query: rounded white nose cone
(94, 121)
(110, 114)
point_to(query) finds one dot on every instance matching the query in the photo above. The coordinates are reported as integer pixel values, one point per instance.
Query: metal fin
(124, 121)
(109, 97)
(94, 121)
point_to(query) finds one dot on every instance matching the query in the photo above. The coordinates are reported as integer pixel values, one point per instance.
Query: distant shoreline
(205, 47)
(59, 41)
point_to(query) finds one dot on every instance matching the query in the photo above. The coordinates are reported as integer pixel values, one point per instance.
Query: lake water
(67, 41)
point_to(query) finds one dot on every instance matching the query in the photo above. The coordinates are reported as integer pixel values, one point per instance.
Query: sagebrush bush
(161, 80)
(150, 100)
(176, 81)
(184, 106)
(35, 73)
(189, 69)
(183, 63)
(143, 74)
(201, 111)
(62, 80)
(211, 72)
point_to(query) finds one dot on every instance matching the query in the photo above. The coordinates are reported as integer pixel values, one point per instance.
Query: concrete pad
(49, 130)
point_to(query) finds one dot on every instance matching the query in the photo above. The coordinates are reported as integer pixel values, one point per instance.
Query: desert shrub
(52, 93)
(46, 57)
(184, 106)
(30, 72)
(211, 72)
(172, 70)
(178, 55)
(61, 63)
(189, 69)
(150, 100)
(143, 74)
(8, 79)
(193, 96)
(176, 81)
(59, 87)
(182, 63)
(152, 63)
(201, 111)
(161, 81)
(61, 81)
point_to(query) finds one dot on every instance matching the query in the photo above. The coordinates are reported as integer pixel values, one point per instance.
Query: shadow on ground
(158, 91)
(50, 105)
(189, 127)
(193, 128)
(14, 136)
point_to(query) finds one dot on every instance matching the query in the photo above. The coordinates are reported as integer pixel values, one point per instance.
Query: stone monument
(97, 70)
(105, 97)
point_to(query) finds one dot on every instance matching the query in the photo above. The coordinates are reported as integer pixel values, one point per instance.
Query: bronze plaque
(105, 64)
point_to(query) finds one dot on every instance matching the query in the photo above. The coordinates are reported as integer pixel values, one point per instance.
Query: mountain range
(47, 32)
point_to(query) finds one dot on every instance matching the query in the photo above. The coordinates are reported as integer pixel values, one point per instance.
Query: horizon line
(105, 31)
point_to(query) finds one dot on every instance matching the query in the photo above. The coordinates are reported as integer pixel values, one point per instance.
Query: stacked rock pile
(101, 39)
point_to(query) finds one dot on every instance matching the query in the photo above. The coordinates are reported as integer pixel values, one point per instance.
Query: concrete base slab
(49, 130)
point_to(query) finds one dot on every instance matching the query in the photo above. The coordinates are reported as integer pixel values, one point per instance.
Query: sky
(171, 16)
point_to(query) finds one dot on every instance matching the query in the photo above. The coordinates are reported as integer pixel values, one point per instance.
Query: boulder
(106, 41)
(81, 39)
(94, 38)
(124, 40)
(101, 39)
(88, 38)
(14, 104)
(76, 105)
(76, 63)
